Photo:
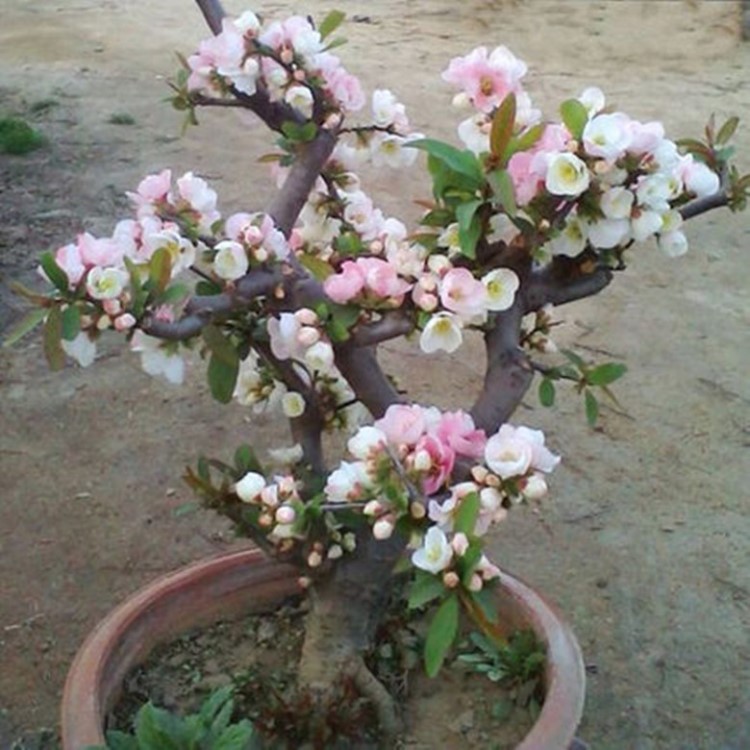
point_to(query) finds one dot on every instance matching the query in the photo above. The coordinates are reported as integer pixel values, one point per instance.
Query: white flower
(82, 349)
(593, 99)
(607, 136)
(367, 441)
(671, 221)
(475, 133)
(608, 233)
(231, 261)
(247, 22)
(442, 332)
(654, 192)
(300, 97)
(616, 203)
(248, 489)
(571, 241)
(157, 358)
(502, 229)
(507, 455)
(500, 285)
(292, 404)
(701, 180)
(347, 482)
(319, 357)
(285, 515)
(389, 150)
(646, 224)
(566, 175)
(106, 283)
(435, 554)
(673, 244)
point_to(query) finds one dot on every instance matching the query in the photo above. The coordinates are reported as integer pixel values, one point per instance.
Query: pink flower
(456, 429)
(68, 258)
(99, 252)
(461, 293)
(487, 78)
(443, 457)
(381, 278)
(343, 86)
(155, 187)
(402, 424)
(346, 284)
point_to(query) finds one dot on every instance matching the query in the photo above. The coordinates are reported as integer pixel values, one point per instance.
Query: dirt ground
(644, 542)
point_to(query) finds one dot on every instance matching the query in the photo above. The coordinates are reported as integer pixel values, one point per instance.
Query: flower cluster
(287, 59)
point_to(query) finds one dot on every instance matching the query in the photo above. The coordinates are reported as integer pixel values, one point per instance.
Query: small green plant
(518, 664)
(18, 137)
(121, 118)
(210, 729)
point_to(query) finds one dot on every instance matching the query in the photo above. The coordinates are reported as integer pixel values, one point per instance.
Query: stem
(213, 12)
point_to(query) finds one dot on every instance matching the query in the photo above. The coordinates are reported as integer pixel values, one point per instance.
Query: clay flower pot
(231, 584)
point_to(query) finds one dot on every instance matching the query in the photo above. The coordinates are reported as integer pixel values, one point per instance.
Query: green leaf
(468, 511)
(222, 378)
(575, 116)
(174, 294)
(463, 162)
(299, 133)
(440, 635)
(527, 139)
(546, 392)
(119, 741)
(727, 130)
(207, 288)
(503, 123)
(330, 23)
(592, 408)
(221, 347)
(426, 588)
(502, 187)
(155, 729)
(317, 267)
(54, 273)
(245, 460)
(27, 324)
(469, 227)
(160, 269)
(236, 737)
(53, 350)
(71, 322)
(574, 358)
(606, 373)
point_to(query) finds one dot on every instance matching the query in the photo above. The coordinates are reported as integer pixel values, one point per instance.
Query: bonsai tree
(288, 306)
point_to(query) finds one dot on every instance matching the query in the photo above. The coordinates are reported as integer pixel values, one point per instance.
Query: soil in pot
(258, 655)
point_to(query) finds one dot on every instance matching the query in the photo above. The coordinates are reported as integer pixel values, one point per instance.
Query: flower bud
(124, 322)
(382, 529)
(261, 255)
(373, 508)
(335, 552)
(265, 520)
(104, 322)
(306, 317)
(314, 559)
(417, 510)
(307, 336)
(285, 514)
(304, 582)
(422, 461)
(535, 487)
(476, 583)
(349, 542)
(287, 56)
(479, 474)
(451, 579)
(492, 480)
(112, 307)
(460, 543)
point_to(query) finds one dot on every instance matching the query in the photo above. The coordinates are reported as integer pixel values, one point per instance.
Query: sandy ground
(645, 542)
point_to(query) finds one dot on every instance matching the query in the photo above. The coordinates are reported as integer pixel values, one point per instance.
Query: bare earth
(644, 543)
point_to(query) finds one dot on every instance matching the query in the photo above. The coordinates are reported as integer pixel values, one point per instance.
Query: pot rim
(229, 584)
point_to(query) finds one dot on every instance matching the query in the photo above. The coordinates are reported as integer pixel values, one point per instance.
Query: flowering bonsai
(287, 306)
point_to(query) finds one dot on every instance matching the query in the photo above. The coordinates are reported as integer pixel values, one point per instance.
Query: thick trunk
(346, 609)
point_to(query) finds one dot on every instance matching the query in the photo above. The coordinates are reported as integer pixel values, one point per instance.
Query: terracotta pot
(232, 584)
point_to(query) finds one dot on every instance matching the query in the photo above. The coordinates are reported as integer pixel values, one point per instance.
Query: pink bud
(285, 514)
(382, 529)
(307, 336)
(287, 56)
(476, 583)
(112, 307)
(450, 580)
(460, 544)
(306, 317)
(124, 322)
(373, 508)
